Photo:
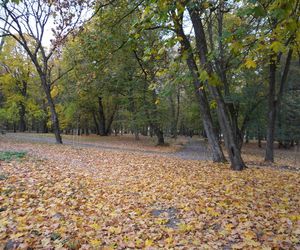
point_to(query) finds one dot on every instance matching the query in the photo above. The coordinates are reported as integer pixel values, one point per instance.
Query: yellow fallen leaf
(148, 243)
(185, 228)
(95, 226)
(169, 240)
(229, 227)
(161, 221)
(249, 235)
(115, 230)
(252, 243)
(95, 243)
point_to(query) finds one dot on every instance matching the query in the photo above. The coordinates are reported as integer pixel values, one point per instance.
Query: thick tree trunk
(22, 109)
(54, 116)
(45, 126)
(45, 119)
(96, 124)
(216, 149)
(160, 136)
(102, 121)
(50, 102)
(233, 151)
(55, 121)
(22, 112)
(154, 123)
(221, 70)
(110, 121)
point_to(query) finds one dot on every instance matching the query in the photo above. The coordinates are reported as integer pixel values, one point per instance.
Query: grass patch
(9, 155)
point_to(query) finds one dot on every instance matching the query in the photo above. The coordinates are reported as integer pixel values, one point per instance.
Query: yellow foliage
(250, 63)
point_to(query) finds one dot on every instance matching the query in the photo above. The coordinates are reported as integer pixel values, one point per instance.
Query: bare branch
(61, 75)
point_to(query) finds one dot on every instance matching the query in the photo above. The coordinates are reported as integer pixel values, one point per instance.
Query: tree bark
(54, 116)
(22, 109)
(96, 123)
(274, 101)
(154, 124)
(102, 121)
(175, 108)
(22, 112)
(110, 121)
(160, 136)
(269, 155)
(233, 151)
(216, 149)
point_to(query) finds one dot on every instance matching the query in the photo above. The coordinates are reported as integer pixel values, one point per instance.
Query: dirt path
(195, 149)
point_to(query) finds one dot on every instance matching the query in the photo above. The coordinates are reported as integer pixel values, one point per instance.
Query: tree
(17, 71)
(27, 22)
(275, 38)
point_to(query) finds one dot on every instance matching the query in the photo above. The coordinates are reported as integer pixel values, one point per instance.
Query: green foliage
(10, 155)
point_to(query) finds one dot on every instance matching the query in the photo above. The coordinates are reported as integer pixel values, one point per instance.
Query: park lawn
(67, 198)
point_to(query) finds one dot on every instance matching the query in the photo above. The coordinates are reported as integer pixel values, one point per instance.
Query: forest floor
(182, 147)
(91, 197)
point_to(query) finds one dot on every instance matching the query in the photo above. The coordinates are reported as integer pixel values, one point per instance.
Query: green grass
(9, 155)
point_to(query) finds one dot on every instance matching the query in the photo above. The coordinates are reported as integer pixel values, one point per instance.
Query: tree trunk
(22, 109)
(55, 122)
(273, 104)
(173, 117)
(259, 141)
(233, 151)
(54, 116)
(96, 123)
(221, 70)
(216, 149)
(22, 112)
(102, 130)
(160, 137)
(45, 126)
(269, 155)
(110, 121)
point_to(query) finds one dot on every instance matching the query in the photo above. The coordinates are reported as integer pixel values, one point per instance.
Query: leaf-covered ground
(67, 198)
(126, 141)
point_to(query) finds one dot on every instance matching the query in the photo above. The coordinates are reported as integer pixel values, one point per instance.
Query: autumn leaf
(148, 243)
(95, 226)
(95, 199)
(115, 230)
(250, 63)
(95, 243)
(277, 46)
